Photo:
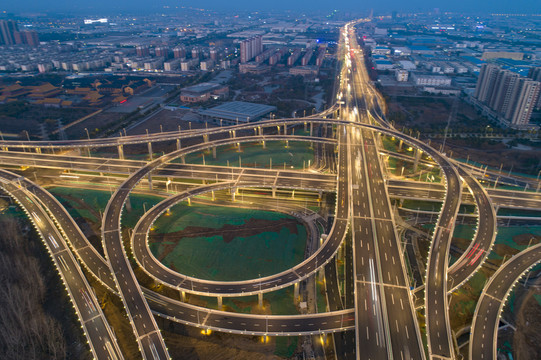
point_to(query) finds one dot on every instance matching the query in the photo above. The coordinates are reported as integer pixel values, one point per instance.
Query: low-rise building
(434, 80)
(237, 112)
(203, 92)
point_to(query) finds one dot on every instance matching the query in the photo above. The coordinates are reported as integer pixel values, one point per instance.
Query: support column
(183, 159)
(320, 195)
(189, 201)
(311, 129)
(38, 150)
(149, 181)
(285, 129)
(128, 204)
(150, 150)
(263, 143)
(214, 152)
(274, 191)
(287, 143)
(260, 299)
(233, 193)
(296, 293)
(206, 138)
(238, 147)
(305, 126)
(213, 198)
(220, 304)
(183, 296)
(179, 145)
(417, 158)
(120, 152)
(400, 145)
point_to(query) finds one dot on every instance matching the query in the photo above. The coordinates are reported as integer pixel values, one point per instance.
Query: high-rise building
(7, 32)
(486, 81)
(142, 51)
(250, 48)
(535, 74)
(509, 95)
(28, 37)
(523, 101)
(179, 52)
(162, 51)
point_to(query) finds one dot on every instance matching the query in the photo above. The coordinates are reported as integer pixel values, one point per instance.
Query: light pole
(87, 134)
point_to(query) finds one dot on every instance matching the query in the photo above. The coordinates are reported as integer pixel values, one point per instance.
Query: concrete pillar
(274, 191)
(285, 129)
(320, 195)
(220, 304)
(260, 299)
(179, 145)
(234, 133)
(305, 125)
(287, 143)
(149, 181)
(238, 147)
(214, 152)
(417, 158)
(296, 292)
(212, 192)
(189, 201)
(311, 129)
(233, 193)
(400, 145)
(183, 159)
(128, 204)
(205, 138)
(183, 296)
(263, 143)
(150, 151)
(120, 152)
(38, 150)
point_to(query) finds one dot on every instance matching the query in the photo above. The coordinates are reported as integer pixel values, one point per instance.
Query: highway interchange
(379, 304)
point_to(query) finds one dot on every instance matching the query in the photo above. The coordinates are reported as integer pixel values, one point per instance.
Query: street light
(87, 134)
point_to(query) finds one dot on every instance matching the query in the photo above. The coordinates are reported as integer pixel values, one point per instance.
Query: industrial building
(237, 112)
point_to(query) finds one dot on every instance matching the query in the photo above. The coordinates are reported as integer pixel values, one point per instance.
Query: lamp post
(87, 134)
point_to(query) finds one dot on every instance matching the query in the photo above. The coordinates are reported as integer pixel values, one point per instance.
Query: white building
(433, 80)
(401, 75)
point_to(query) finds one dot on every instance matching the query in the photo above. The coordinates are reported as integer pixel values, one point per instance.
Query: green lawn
(243, 257)
(297, 154)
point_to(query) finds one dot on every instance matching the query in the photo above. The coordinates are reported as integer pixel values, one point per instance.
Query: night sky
(515, 6)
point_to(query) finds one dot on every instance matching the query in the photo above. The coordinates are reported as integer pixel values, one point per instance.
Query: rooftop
(243, 111)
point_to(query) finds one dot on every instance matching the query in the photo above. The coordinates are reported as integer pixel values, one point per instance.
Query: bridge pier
(400, 145)
(179, 145)
(120, 152)
(205, 138)
(183, 159)
(260, 299)
(287, 144)
(220, 303)
(320, 195)
(263, 143)
(296, 292)
(214, 152)
(183, 296)
(285, 129)
(38, 150)
(189, 201)
(213, 198)
(238, 147)
(233, 194)
(311, 128)
(149, 181)
(274, 191)
(150, 150)
(417, 158)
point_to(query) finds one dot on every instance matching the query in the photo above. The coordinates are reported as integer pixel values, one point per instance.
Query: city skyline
(385, 6)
